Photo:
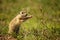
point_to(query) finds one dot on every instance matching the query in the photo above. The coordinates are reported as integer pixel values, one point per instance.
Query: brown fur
(15, 23)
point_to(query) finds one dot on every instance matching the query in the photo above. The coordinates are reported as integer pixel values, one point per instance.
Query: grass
(45, 24)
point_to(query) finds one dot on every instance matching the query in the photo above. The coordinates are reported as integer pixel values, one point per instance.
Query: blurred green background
(44, 25)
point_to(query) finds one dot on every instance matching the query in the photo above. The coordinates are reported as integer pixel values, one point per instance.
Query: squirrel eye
(22, 12)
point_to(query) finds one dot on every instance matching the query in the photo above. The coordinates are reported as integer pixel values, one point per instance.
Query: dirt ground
(4, 37)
